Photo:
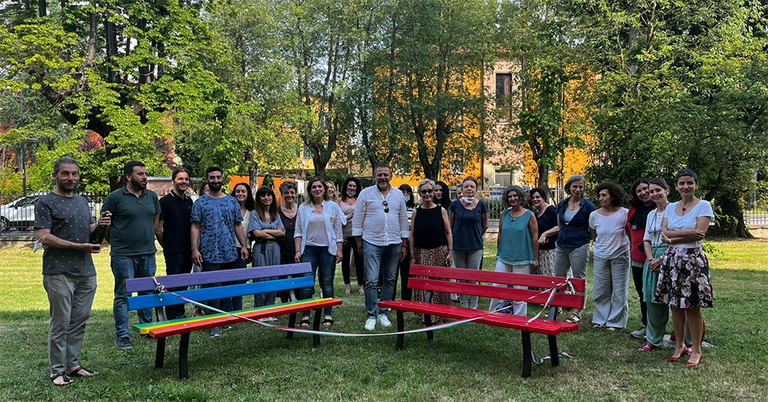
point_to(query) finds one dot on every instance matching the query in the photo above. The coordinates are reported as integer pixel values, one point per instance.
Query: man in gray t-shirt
(63, 225)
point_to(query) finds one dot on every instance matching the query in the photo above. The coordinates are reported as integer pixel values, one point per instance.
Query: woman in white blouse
(318, 238)
(684, 281)
(611, 258)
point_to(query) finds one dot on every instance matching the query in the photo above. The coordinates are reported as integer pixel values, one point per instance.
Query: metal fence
(756, 217)
(17, 211)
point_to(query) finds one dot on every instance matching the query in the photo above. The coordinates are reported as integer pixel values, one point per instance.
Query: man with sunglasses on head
(380, 227)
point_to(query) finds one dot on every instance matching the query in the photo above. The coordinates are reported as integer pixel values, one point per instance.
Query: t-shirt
(547, 221)
(468, 225)
(133, 222)
(611, 238)
(516, 244)
(653, 228)
(687, 221)
(176, 213)
(68, 218)
(217, 218)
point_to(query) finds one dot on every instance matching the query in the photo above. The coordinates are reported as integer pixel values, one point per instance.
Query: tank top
(429, 228)
(347, 209)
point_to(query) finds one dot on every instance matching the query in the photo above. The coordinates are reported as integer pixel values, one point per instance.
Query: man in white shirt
(380, 227)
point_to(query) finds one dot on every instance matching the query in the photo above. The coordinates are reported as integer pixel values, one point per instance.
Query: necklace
(512, 216)
(686, 207)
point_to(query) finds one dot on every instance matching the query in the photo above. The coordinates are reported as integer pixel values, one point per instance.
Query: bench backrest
(437, 279)
(300, 277)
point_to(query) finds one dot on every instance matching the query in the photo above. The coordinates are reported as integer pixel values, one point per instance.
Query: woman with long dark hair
(349, 192)
(266, 227)
(684, 282)
(319, 241)
(244, 196)
(405, 263)
(442, 195)
(640, 204)
(546, 219)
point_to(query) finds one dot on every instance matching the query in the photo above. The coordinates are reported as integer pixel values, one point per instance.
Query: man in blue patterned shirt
(217, 227)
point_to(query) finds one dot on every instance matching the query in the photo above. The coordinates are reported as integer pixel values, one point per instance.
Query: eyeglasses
(386, 206)
(427, 191)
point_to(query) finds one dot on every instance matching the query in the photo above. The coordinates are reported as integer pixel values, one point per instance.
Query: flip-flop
(66, 378)
(328, 322)
(81, 371)
(304, 323)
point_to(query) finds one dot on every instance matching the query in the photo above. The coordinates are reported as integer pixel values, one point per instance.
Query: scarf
(638, 219)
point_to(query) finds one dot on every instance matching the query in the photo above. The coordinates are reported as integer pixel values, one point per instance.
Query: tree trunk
(42, 8)
(731, 221)
(543, 180)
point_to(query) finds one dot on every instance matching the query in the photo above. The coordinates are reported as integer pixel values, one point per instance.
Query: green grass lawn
(466, 363)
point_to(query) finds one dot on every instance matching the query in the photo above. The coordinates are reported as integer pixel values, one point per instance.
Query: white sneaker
(370, 324)
(384, 321)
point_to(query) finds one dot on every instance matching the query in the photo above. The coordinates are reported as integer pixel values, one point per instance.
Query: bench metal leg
(291, 324)
(428, 323)
(400, 328)
(526, 354)
(316, 327)
(160, 354)
(183, 356)
(553, 353)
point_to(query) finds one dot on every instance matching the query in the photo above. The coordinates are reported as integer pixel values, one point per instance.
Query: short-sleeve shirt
(468, 225)
(217, 218)
(687, 221)
(176, 214)
(611, 240)
(653, 228)
(133, 222)
(68, 218)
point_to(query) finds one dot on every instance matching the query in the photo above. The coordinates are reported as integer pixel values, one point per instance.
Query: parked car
(495, 193)
(20, 213)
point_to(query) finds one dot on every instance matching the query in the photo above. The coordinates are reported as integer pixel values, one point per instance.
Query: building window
(504, 96)
(307, 152)
(503, 179)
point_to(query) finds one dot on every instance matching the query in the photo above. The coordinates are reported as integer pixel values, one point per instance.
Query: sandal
(66, 379)
(597, 326)
(328, 322)
(648, 347)
(575, 317)
(81, 371)
(304, 323)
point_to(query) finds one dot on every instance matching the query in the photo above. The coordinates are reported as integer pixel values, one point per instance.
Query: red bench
(437, 279)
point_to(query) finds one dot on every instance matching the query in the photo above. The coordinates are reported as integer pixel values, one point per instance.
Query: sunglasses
(427, 191)
(386, 206)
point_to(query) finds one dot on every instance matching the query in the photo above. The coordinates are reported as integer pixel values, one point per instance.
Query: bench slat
(213, 293)
(228, 275)
(228, 320)
(539, 326)
(538, 281)
(497, 292)
(144, 328)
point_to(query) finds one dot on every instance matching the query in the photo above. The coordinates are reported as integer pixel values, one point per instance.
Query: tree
(119, 69)
(427, 81)
(551, 83)
(681, 87)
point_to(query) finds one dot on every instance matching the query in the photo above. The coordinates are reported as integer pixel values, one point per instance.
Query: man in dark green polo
(135, 213)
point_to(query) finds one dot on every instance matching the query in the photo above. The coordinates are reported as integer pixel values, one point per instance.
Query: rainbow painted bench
(299, 276)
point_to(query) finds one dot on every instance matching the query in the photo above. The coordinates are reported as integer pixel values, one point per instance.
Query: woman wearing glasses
(430, 240)
(469, 221)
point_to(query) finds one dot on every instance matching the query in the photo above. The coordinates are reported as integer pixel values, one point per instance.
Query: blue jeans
(227, 303)
(177, 263)
(319, 257)
(129, 267)
(380, 260)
